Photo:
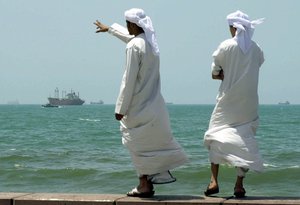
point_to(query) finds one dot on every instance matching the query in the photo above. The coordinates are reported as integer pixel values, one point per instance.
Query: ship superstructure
(66, 98)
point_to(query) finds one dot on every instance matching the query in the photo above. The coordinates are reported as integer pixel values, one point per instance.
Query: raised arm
(115, 30)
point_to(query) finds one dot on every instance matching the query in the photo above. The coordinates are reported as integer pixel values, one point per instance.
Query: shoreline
(11, 198)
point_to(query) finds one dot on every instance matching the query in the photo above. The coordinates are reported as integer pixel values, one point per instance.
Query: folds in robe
(230, 137)
(145, 126)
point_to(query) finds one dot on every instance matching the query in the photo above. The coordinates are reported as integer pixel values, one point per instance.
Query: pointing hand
(101, 27)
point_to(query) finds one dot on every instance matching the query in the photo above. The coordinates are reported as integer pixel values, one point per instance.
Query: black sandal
(212, 191)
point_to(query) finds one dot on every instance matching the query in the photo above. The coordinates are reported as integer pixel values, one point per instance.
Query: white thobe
(145, 126)
(230, 137)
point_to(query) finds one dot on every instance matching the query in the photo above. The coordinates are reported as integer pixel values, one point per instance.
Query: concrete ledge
(170, 200)
(115, 199)
(66, 199)
(264, 200)
(7, 198)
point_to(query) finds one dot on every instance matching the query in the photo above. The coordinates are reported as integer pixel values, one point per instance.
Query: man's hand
(118, 116)
(218, 77)
(101, 27)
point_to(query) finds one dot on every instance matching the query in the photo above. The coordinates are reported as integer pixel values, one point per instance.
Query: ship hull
(57, 101)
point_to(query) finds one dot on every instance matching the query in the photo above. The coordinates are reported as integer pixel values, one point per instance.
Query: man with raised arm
(140, 107)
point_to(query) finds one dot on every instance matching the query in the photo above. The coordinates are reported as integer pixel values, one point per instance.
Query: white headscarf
(245, 28)
(139, 17)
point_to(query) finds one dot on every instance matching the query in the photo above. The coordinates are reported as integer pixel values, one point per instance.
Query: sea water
(78, 149)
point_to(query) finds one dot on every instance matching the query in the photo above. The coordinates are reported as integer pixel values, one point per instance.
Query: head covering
(245, 28)
(139, 17)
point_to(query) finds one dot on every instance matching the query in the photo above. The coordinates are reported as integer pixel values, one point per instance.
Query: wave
(90, 120)
(281, 167)
(270, 165)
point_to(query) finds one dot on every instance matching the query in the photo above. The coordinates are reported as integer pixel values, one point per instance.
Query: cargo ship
(66, 99)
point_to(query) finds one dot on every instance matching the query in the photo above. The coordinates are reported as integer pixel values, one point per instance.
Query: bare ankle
(145, 184)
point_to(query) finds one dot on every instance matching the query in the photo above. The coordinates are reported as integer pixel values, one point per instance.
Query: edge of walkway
(9, 198)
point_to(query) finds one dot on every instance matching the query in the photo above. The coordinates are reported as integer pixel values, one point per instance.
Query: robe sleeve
(123, 36)
(218, 57)
(128, 81)
(262, 58)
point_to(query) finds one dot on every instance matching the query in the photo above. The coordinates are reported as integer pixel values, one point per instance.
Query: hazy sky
(47, 44)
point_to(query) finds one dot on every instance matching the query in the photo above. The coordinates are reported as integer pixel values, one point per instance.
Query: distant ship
(284, 103)
(66, 99)
(100, 102)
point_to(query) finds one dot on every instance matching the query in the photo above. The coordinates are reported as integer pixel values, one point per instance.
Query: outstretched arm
(115, 30)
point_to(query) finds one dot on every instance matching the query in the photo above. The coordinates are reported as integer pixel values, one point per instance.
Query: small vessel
(49, 105)
(284, 103)
(100, 102)
(66, 99)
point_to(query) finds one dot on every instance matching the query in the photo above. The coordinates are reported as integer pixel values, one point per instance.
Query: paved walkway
(115, 199)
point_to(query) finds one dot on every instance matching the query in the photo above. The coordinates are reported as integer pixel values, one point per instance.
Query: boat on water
(66, 99)
(284, 103)
(100, 102)
(49, 105)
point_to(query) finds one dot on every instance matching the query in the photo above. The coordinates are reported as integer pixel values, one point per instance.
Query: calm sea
(78, 149)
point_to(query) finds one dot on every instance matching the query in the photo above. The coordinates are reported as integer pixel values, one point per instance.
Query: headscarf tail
(245, 28)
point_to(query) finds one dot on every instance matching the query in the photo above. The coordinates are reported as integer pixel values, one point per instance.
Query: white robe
(145, 126)
(230, 137)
